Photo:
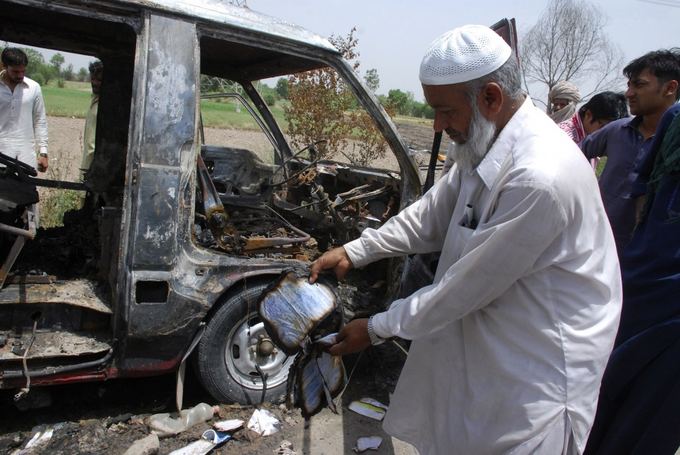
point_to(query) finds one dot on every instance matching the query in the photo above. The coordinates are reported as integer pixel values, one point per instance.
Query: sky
(394, 34)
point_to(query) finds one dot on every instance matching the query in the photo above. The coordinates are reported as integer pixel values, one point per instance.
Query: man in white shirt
(22, 112)
(511, 339)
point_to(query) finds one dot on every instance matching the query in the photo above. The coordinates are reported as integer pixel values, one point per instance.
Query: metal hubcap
(249, 346)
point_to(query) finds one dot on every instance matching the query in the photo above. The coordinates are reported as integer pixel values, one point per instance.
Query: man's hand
(42, 163)
(352, 338)
(335, 259)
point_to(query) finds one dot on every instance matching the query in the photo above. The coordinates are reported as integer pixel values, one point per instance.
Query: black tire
(225, 362)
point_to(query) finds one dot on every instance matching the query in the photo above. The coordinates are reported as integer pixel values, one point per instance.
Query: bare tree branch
(568, 43)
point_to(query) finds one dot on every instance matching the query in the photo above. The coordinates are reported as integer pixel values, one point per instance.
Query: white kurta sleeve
(527, 219)
(40, 122)
(419, 228)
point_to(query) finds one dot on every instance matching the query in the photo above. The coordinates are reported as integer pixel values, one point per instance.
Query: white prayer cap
(463, 54)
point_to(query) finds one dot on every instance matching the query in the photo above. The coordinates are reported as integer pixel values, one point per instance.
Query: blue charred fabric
(295, 314)
(293, 309)
(320, 378)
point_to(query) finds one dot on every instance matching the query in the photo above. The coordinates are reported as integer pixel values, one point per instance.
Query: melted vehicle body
(179, 234)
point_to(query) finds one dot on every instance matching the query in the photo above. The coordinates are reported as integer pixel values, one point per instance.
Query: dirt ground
(106, 418)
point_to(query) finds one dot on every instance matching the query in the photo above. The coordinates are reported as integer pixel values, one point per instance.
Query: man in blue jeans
(652, 89)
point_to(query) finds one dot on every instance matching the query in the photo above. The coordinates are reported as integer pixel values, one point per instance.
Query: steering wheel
(311, 147)
(19, 166)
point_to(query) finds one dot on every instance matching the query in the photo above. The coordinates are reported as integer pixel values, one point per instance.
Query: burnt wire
(27, 388)
(264, 377)
(401, 348)
(326, 389)
(349, 378)
(305, 236)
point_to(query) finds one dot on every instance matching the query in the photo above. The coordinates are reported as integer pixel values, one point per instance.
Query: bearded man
(511, 339)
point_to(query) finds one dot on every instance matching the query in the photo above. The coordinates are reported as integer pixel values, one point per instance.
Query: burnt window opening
(151, 292)
(79, 222)
(258, 193)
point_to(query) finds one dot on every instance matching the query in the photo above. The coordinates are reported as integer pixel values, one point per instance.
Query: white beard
(481, 136)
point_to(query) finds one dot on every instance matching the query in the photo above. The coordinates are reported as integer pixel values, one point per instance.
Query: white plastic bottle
(164, 425)
(199, 413)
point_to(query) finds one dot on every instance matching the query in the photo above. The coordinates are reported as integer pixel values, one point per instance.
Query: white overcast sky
(394, 34)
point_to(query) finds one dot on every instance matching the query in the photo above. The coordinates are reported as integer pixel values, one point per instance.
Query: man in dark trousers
(639, 406)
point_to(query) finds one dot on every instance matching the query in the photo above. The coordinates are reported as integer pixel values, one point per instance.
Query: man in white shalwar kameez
(511, 339)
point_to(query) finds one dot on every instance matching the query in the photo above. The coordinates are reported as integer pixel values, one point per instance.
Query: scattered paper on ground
(368, 443)
(40, 438)
(369, 407)
(264, 423)
(228, 425)
(374, 402)
(200, 447)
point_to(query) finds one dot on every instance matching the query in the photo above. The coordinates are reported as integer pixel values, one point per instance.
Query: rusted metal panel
(171, 91)
(80, 293)
(56, 344)
(167, 134)
(156, 220)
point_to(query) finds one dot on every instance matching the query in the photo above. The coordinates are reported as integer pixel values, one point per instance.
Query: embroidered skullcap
(463, 54)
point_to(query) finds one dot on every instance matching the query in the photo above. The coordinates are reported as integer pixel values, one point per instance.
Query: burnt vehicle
(182, 229)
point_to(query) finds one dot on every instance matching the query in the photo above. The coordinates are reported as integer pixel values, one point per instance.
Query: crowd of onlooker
(640, 188)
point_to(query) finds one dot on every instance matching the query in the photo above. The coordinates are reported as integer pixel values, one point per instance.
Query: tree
(68, 72)
(568, 43)
(268, 94)
(56, 61)
(422, 110)
(282, 87)
(372, 79)
(37, 69)
(402, 102)
(322, 107)
(82, 74)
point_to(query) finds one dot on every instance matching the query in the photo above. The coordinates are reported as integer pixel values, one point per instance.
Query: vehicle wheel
(235, 343)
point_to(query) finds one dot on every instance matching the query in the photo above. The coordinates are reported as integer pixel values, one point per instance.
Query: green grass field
(66, 102)
(224, 115)
(73, 100)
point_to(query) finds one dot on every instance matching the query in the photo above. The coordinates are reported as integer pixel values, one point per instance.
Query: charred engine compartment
(298, 209)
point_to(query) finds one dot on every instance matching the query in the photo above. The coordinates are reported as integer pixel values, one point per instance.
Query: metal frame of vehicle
(162, 285)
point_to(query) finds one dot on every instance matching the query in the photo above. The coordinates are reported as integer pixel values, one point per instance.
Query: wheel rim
(241, 356)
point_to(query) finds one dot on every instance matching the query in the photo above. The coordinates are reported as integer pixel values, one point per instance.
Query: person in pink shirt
(596, 113)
